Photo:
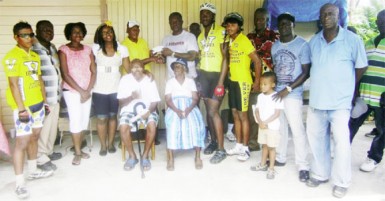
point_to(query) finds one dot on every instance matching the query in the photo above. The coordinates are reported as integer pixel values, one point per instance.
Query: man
(262, 38)
(213, 70)
(137, 46)
(370, 92)
(138, 105)
(181, 44)
(195, 29)
(338, 62)
(26, 96)
(241, 53)
(50, 70)
(291, 58)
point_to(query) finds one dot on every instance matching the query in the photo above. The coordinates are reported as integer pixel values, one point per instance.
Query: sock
(32, 165)
(238, 145)
(20, 180)
(229, 128)
(246, 148)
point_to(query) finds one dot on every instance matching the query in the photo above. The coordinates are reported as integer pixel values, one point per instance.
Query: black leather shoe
(55, 156)
(303, 175)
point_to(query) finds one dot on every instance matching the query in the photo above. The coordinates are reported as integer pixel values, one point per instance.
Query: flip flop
(76, 160)
(85, 155)
(146, 164)
(130, 164)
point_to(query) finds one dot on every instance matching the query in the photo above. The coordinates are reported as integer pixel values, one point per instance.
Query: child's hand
(263, 125)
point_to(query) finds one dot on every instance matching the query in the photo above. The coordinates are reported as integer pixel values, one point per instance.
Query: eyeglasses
(26, 35)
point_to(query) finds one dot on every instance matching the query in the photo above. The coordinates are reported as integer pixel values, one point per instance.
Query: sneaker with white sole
(230, 137)
(271, 174)
(38, 174)
(21, 192)
(244, 156)
(236, 150)
(259, 167)
(369, 165)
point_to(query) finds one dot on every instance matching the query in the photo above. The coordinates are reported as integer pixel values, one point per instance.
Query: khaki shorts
(269, 137)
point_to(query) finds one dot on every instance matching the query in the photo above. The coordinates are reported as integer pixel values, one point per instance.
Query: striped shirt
(373, 81)
(50, 70)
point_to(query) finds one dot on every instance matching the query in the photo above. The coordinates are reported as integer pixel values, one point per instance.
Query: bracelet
(22, 111)
(173, 54)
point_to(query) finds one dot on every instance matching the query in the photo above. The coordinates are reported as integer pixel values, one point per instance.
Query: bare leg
(32, 145)
(198, 160)
(112, 124)
(170, 160)
(125, 135)
(271, 157)
(237, 125)
(265, 153)
(102, 133)
(245, 128)
(150, 136)
(21, 145)
(212, 107)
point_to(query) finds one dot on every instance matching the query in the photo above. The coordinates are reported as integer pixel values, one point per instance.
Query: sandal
(146, 164)
(85, 155)
(130, 164)
(219, 156)
(198, 164)
(170, 165)
(76, 160)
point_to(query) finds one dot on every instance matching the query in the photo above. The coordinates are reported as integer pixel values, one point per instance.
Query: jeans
(376, 150)
(292, 115)
(318, 123)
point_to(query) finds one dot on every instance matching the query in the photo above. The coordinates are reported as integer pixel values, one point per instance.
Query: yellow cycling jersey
(26, 66)
(210, 49)
(240, 48)
(137, 50)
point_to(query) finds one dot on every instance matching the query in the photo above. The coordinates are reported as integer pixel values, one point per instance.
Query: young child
(266, 114)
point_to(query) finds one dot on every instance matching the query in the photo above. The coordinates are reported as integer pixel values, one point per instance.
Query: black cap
(287, 16)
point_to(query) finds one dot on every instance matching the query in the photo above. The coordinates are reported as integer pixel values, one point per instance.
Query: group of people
(263, 72)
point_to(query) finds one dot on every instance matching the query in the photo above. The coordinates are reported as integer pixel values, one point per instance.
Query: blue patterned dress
(188, 132)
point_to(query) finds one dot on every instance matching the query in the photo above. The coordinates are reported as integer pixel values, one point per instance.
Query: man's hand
(280, 95)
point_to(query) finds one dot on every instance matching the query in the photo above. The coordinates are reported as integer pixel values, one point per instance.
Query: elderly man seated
(138, 97)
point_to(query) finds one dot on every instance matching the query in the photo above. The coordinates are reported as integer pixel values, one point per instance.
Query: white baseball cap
(132, 23)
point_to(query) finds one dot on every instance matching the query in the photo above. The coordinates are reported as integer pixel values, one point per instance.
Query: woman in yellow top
(241, 53)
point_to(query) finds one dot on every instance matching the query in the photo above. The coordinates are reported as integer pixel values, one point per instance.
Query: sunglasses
(26, 35)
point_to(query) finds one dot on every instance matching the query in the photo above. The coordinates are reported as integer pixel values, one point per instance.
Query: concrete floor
(103, 178)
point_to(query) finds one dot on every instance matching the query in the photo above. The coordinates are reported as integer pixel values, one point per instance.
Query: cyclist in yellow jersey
(25, 95)
(241, 53)
(212, 73)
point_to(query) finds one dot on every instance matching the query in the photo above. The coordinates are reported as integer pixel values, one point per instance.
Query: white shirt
(174, 88)
(267, 106)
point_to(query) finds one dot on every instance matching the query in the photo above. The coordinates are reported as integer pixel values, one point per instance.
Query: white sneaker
(244, 156)
(369, 165)
(270, 174)
(236, 150)
(38, 174)
(230, 137)
(21, 192)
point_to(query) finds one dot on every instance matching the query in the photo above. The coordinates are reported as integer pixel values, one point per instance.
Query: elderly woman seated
(184, 122)
(137, 89)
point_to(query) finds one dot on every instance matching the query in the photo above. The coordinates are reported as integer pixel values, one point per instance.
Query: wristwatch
(173, 54)
(289, 89)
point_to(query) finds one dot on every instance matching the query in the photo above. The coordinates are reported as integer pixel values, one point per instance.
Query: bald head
(381, 22)
(329, 15)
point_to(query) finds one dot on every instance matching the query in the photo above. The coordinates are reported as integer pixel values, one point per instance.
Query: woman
(77, 64)
(109, 56)
(184, 122)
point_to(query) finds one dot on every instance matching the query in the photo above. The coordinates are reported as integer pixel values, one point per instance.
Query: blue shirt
(288, 59)
(332, 74)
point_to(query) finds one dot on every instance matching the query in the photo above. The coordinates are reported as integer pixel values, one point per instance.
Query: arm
(171, 105)
(93, 78)
(189, 56)
(195, 99)
(276, 114)
(126, 64)
(225, 65)
(42, 88)
(258, 70)
(297, 82)
(14, 86)
(359, 73)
